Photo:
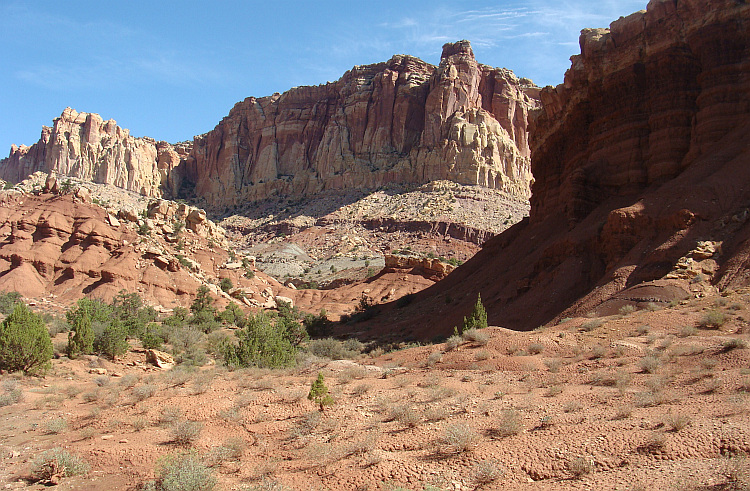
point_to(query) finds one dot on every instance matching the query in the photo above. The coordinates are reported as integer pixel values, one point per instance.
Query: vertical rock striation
(643, 100)
(400, 121)
(83, 145)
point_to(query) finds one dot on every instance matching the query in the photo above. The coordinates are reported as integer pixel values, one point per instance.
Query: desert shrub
(143, 392)
(435, 413)
(475, 336)
(170, 414)
(579, 466)
(261, 344)
(56, 425)
(649, 364)
(712, 319)
(553, 365)
(8, 301)
(151, 338)
(459, 438)
(478, 317)
(203, 303)
(11, 393)
(407, 416)
(186, 432)
(329, 348)
(589, 326)
(317, 326)
(677, 422)
(453, 342)
(553, 391)
(627, 309)
(232, 314)
(230, 450)
(572, 406)
(25, 343)
(434, 358)
(734, 343)
(57, 461)
(623, 412)
(510, 423)
(686, 331)
(226, 284)
(486, 471)
(535, 348)
(110, 339)
(184, 472)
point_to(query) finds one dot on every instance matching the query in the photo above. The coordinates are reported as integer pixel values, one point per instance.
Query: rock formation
(399, 121)
(639, 160)
(84, 146)
(402, 121)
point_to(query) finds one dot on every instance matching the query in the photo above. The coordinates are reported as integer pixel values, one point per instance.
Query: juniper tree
(319, 393)
(25, 343)
(478, 317)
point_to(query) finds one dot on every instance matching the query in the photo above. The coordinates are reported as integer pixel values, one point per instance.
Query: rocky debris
(84, 146)
(428, 267)
(159, 359)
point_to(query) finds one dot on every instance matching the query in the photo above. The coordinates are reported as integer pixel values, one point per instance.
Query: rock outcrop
(399, 121)
(640, 163)
(84, 146)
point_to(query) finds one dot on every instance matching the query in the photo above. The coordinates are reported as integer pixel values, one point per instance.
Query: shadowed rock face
(643, 100)
(83, 145)
(639, 160)
(399, 121)
(402, 121)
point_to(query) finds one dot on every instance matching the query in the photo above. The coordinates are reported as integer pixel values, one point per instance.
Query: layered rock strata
(639, 160)
(399, 121)
(84, 146)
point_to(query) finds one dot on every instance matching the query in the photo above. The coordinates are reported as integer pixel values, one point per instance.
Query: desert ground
(647, 399)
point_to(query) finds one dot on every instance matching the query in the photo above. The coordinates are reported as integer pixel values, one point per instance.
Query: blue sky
(173, 69)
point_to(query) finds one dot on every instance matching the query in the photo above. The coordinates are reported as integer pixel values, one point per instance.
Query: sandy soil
(641, 400)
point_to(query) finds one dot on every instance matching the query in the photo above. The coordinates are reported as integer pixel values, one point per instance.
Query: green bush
(57, 461)
(110, 339)
(330, 348)
(8, 301)
(261, 343)
(184, 472)
(203, 301)
(318, 326)
(226, 284)
(25, 343)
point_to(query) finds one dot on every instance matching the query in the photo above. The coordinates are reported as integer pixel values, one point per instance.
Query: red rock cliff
(83, 145)
(399, 121)
(643, 100)
(640, 160)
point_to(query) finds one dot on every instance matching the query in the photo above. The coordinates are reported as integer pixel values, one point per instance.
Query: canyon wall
(640, 194)
(83, 145)
(403, 121)
(400, 121)
(643, 100)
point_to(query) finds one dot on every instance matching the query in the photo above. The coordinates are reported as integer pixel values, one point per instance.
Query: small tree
(109, 338)
(226, 284)
(203, 301)
(319, 393)
(81, 337)
(24, 341)
(478, 317)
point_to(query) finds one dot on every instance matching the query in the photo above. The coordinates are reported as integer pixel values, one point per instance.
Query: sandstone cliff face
(640, 167)
(643, 100)
(400, 121)
(83, 145)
